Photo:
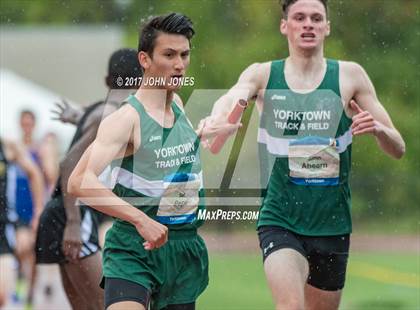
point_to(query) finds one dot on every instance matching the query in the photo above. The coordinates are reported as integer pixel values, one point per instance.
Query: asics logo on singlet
(270, 246)
(155, 138)
(278, 97)
(315, 158)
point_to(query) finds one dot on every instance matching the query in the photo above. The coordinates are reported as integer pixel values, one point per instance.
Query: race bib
(314, 161)
(179, 202)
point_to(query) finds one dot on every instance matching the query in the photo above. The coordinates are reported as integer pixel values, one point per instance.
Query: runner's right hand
(154, 233)
(72, 241)
(212, 126)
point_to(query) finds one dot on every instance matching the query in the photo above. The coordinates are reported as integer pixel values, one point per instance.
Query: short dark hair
(123, 63)
(285, 4)
(29, 113)
(173, 23)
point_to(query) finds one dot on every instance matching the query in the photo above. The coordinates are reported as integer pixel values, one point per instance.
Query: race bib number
(314, 161)
(179, 202)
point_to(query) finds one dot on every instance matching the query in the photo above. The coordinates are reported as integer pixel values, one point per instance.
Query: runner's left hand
(363, 121)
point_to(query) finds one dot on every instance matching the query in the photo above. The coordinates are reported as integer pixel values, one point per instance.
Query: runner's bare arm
(48, 152)
(69, 162)
(249, 83)
(112, 140)
(116, 137)
(371, 117)
(20, 156)
(72, 242)
(212, 128)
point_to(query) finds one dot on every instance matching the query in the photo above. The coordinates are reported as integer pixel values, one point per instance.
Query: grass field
(374, 281)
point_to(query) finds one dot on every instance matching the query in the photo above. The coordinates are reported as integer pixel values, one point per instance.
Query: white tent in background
(18, 93)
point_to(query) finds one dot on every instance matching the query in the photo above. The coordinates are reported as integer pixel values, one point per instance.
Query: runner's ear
(283, 27)
(144, 60)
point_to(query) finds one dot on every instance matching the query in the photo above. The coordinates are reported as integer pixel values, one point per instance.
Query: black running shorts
(327, 256)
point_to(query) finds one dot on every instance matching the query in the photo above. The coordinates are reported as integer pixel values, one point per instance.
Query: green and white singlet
(304, 142)
(163, 178)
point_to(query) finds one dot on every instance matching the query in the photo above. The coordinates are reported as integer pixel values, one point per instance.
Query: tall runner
(311, 108)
